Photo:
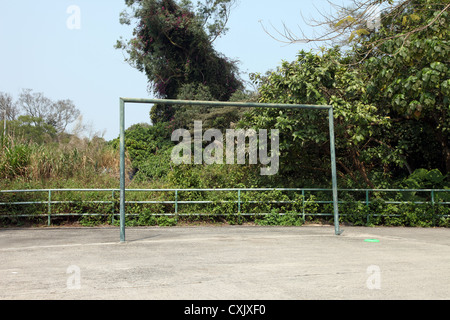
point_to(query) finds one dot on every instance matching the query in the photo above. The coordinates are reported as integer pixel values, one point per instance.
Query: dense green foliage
(409, 81)
(391, 110)
(319, 80)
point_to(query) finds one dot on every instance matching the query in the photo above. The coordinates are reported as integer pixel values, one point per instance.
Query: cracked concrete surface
(226, 262)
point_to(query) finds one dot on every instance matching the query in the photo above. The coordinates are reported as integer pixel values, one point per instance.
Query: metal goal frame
(213, 104)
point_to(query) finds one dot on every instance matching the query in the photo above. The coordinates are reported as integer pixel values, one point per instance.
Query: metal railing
(429, 196)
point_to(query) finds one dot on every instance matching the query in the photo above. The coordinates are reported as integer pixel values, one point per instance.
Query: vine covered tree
(172, 44)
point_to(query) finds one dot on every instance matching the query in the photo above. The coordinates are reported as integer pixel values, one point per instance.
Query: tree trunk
(446, 154)
(443, 140)
(362, 169)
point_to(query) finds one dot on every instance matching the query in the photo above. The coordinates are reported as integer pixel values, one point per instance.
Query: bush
(280, 219)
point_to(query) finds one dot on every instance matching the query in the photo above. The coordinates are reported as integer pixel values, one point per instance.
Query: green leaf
(435, 176)
(346, 19)
(361, 32)
(414, 17)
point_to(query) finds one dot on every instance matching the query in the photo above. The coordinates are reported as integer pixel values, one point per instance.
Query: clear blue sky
(38, 51)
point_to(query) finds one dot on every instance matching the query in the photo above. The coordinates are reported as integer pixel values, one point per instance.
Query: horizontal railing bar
(226, 189)
(19, 203)
(196, 213)
(206, 202)
(56, 190)
(55, 202)
(44, 215)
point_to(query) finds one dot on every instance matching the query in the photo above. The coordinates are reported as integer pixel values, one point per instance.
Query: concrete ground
(224, 263)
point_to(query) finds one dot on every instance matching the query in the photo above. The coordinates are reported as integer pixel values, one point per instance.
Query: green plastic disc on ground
(372, 240)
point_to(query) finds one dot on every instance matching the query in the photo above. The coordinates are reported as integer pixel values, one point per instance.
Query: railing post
(239, 201)
(113, 205)
(49, 205)
(176, 205)
(367, 205)
(303, 204)
(434, 210)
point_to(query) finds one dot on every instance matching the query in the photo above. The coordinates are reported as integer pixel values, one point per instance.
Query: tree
(347, 24)
(173, 45)
(402, 64)
(36, 105)
(40, 108)
(63, 113)
(304, 138)
(32, 129)
(408, 77)
(8, 107)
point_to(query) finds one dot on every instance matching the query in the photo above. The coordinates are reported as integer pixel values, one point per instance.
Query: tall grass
(77, 162)
(14, 157)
